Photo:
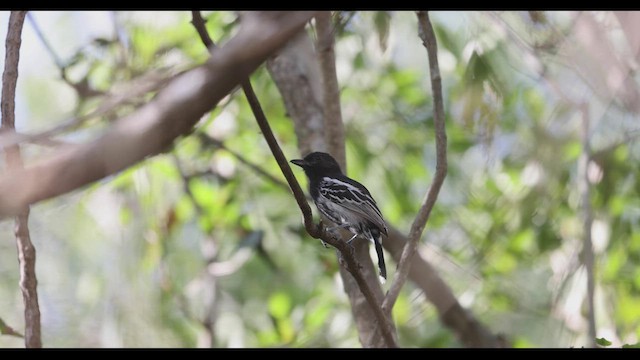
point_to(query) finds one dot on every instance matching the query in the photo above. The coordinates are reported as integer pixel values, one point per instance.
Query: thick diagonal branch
(151, 129)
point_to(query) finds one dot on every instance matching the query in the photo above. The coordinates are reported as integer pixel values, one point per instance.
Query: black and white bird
(344, 201)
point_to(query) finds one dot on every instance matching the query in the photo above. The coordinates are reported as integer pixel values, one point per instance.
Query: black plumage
(344, 201)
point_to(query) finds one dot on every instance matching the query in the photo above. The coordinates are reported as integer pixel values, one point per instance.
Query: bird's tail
(381, 266)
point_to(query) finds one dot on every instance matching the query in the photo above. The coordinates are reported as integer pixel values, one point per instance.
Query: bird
(344, 201)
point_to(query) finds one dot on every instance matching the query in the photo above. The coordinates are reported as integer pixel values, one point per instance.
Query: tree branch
(209, 141)
(316, 231)
(333, 125)
(26, 250)
(82, 87)
(429, 41)
(295, 71)
(153, 127)
(199, 23)
(138, 87)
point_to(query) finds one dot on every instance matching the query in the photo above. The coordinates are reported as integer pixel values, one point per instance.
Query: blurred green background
(194, 248)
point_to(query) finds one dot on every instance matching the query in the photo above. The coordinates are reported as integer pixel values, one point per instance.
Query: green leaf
(521, 342)
(279, 305)
(317, 316)
(572, 150)
(628, 309)
(203, 193)
(523, 242)
(603, 342)
(184, 209)
(286, 330)
(534, 103)
(631, 346)
(505, 263)
(614, 260)
(401, 310)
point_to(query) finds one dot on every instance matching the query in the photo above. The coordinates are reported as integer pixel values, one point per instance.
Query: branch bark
(26, 250)
(334, 136)
(333, 125)
(294, 71)
(417, 227)
(152, 128)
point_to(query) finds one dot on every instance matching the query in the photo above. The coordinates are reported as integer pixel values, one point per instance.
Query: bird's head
(318, 163)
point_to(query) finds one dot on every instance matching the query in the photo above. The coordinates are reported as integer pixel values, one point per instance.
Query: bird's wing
(355, 197)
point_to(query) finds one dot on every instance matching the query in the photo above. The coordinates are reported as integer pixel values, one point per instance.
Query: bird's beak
(299, 162)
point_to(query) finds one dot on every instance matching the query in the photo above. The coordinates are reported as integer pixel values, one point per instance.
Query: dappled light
(163, 216)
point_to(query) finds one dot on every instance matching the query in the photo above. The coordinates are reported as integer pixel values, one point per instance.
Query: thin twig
(142, 85)
(429, 41)
(311, 227)
(316, 231)
(56, 59)
(334, 127)
(198, 23)
(207, 140)
(8, 330)
(26, 250)
(584, 188)
(296, 74)
(83, 87)
(40, 140)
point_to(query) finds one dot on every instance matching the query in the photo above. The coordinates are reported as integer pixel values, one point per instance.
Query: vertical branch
(429, 41)
(334, 127)
(296, 72)
(584, 189)
(334, 138)
(26, 251)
